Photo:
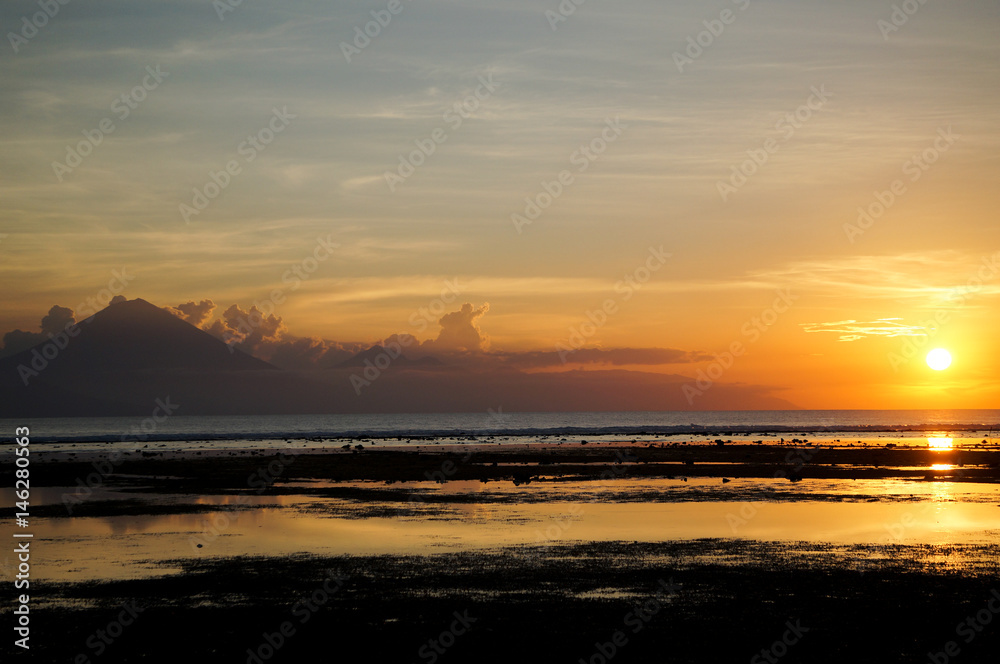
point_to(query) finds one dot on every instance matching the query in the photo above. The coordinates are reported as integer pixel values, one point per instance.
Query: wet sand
(729, 601)
(620, 524)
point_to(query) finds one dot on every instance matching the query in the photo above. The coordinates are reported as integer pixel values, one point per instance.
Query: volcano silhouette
(125, 357)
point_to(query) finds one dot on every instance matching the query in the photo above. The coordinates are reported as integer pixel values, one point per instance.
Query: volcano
(125, 357)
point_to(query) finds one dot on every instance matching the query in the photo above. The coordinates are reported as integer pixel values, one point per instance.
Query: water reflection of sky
(908, 512)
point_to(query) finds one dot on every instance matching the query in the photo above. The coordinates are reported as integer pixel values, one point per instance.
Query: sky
(793, 198)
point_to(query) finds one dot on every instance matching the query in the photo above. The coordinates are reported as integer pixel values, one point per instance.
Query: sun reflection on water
(940, 442)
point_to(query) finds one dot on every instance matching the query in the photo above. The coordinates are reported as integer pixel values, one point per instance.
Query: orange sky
(628, 156)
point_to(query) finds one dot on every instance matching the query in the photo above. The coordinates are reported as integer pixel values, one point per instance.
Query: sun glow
(939, 359)
(940, 443)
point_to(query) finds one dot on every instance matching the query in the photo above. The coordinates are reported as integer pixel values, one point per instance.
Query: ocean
(829, 423)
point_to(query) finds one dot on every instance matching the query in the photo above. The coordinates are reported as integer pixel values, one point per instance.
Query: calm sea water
(264, 427)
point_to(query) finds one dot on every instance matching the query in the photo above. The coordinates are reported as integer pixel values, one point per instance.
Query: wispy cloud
(852, 330)
(603, 356)
(936, 277)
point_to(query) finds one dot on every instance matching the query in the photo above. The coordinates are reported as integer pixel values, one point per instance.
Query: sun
(939, 359)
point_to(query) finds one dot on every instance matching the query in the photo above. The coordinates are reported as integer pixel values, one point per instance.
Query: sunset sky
(840, 106)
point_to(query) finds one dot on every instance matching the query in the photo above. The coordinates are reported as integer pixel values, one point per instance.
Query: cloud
(307, 353)
(267, 337)
(936, 278)
(196, 314)
(462, 343)
(460, 330)
(250, 330)
(852, 330)
(610, 356)
(57, 320)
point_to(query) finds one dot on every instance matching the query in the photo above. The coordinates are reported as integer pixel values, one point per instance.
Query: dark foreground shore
(701, 601)
(706, 600)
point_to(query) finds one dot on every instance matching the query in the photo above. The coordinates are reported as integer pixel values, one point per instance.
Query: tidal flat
(625, 553)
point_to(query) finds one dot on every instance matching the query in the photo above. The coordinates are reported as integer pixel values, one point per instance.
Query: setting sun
(939, 359)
